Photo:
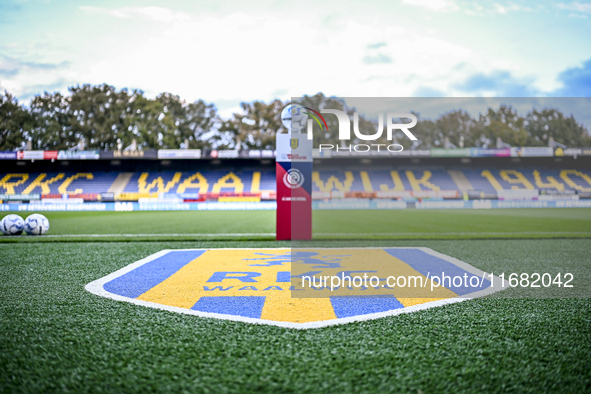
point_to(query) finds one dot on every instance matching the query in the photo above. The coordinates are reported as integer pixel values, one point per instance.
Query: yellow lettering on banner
(552, 183)
(255, 186)
(398, 185)
(38, 182)
(424, 180)
(63, 189)
(9, 186)
(490, 177)
(564, 174)
(188, 183)
(519, 179)
(144, 187)
(367, 187)
(333, 182)
(230, 180)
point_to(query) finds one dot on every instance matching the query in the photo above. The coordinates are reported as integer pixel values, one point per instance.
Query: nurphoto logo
(295, 117)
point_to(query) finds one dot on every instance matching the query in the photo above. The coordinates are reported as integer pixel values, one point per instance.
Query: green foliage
(254, 128)
(457, 128)
(319, 102)
(106, 119)
(98, 113)
(53, 121)
(534, 129)
(14, 122)
(185, 121)
(541, 125)
(146, 123)
(505, 124)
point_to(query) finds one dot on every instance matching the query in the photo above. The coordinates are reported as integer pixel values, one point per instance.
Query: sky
(239, 51)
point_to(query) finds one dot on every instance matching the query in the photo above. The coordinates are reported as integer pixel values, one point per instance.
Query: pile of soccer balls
(35, 224)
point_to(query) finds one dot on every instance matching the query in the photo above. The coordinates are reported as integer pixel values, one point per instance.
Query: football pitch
(58, 337)
(327, 224)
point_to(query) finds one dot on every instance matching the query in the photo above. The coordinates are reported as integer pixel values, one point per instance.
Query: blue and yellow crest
(267, 285)
(294, 143)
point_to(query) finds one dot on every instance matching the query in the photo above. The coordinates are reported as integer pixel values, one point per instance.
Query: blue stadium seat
(349, 180)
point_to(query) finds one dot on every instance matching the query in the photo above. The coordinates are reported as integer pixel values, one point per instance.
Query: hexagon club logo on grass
(303, 288)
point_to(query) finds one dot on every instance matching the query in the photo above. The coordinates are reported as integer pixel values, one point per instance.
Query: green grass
(453, 224)
(337, 224)
(56, 337)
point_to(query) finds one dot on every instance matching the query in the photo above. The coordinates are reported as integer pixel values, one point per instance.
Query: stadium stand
(487, 180)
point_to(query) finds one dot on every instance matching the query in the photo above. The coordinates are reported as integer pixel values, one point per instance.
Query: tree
(186, 121)
(505, 124)
(428, 134)
(144, 122)
(458, 127)
(105, 118)
(52, 118)
(319, 102)
(254, 128)
(98, 115)
(15, 123)
(366, 126)
(549, 122)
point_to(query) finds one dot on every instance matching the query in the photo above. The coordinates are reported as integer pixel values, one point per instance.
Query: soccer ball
(12, 225)
(36, 224)
(294, 117)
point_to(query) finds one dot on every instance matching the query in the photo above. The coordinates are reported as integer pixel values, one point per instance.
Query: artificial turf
(57, 337)
(327, 224)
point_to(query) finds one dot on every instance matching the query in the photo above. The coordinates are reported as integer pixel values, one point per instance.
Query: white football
(294, 117)
(36, 224)
(12, 225)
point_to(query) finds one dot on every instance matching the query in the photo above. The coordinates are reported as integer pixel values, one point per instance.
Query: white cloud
(517, 7)
(215, 58)
(576, 6)
(500, 9)
(151, 13)
(240, 54)
(495, 8)
(433, 5)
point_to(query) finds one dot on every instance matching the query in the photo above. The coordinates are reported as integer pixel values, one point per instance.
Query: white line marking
(161, 235)
(317, 234)
(465, 233)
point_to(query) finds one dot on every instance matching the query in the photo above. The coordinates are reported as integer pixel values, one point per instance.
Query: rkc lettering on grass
(261, 285)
